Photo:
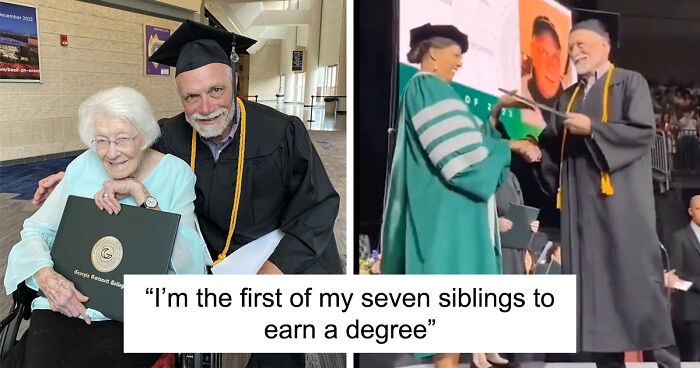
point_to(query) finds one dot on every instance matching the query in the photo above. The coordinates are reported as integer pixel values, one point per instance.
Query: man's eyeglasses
(121, 142)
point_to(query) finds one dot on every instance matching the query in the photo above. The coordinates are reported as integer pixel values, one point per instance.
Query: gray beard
(211, 131)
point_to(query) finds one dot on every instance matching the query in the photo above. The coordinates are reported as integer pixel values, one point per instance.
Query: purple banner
(155, 36)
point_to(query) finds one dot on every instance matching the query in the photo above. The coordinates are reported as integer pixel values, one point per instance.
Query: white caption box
(418, 322)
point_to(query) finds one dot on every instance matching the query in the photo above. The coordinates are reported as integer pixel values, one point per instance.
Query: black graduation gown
(285, 186)
(610, 242)
(510, 192)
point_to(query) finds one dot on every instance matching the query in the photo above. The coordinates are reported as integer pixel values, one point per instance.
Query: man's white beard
(211, 131)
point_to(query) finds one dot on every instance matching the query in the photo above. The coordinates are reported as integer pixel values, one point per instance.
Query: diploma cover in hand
(94, 249)
(520, 235)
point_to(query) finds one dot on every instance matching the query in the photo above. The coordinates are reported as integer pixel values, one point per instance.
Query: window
(331, 84)
(320, 78)
(299, 87)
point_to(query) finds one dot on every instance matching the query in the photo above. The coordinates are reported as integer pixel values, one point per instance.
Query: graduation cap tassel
(234, 55)
(234, 60)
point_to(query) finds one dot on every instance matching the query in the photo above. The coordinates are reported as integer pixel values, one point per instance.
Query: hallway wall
(105, 49)
(264, 71)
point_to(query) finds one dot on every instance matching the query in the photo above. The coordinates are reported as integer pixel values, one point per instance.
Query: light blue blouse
(171, 182)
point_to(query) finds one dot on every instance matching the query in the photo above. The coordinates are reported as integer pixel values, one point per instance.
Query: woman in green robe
(440, 215)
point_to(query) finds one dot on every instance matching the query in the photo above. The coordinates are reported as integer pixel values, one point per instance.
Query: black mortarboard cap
(428, 31)
(194, 45)
(606, 24)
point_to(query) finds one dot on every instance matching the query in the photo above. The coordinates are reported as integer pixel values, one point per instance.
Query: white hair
(123, 102)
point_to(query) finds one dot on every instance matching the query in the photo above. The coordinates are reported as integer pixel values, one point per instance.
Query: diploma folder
(520, 235)
(94, 249)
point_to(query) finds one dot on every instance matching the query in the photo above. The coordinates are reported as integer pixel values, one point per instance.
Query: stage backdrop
(19, 43)
(494, 59)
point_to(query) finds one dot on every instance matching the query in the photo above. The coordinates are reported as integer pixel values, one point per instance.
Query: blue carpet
(23, 178)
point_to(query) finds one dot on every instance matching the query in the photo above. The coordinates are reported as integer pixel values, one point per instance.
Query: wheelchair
(22, 310)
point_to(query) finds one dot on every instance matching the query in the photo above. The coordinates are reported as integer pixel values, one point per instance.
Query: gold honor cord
(239, 179)
(605, 182)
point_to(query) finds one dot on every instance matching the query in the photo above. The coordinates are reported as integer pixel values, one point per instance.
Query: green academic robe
(440, 215)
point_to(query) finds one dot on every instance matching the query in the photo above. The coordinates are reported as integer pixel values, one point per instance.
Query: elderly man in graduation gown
(606, 198)
(257, 170)
(283, 183)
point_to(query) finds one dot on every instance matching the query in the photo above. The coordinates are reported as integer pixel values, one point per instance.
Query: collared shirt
(592, 78)
(696, 230)
(216, 148)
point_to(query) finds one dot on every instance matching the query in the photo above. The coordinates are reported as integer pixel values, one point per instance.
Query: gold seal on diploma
(107, 254)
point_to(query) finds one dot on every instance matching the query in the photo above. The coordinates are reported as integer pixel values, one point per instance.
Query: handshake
(527, 148)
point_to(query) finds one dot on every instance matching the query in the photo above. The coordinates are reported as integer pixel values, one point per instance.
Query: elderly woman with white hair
(118, 169)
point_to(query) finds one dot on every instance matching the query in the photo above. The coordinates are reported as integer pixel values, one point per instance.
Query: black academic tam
(284, 186)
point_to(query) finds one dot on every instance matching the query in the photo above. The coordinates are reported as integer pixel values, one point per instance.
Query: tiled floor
(22, 178)
(314, 118)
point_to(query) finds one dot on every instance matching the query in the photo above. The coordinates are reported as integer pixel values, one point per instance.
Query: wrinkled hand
(534, 226)
(46, 186)
(269, 268)
(578, 124)
(504, 225)
(62, 294)
(670, 279)
(112, 191)
(530, 151)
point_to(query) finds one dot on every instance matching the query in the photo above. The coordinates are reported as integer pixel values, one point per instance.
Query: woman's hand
(506, 101)
(62, 295)
(534, 226)
(504, 224)
(112, 191)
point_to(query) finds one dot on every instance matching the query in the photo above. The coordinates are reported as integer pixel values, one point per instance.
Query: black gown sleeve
(546, 172)
(624, 141)
(309, 216)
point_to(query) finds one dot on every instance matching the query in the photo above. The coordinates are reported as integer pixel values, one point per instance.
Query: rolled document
(533, 103)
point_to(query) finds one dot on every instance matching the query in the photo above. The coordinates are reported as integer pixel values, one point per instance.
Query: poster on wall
(545, 67)
(19, 43)
(494, 58)
(298, 60)
(154, 37)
